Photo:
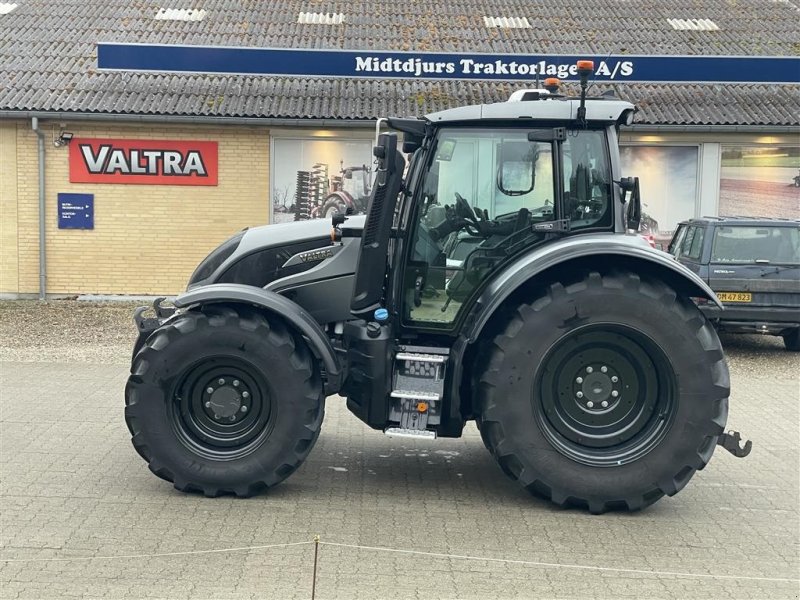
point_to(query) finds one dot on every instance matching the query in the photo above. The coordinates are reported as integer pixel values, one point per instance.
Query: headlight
(214, 260)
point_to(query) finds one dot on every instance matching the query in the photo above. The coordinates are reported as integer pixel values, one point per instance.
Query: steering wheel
(466, 212)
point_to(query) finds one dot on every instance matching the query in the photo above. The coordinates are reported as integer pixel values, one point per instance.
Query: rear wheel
(606, 393)
(223, 400)
(792, 340)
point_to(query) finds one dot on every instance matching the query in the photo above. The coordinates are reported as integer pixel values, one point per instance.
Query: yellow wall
(147, 239)
(9, 255)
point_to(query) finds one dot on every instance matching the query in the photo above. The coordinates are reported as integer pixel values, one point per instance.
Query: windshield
(780, 245)
(500, 172)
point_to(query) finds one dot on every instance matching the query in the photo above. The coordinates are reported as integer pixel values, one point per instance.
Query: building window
(314, 177)
(668, 182)
(760, 181)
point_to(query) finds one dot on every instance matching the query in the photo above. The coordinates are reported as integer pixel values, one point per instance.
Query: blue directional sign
(75, 211)
(432, 65)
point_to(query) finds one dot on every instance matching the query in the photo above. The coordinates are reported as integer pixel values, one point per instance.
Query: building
(276, 145)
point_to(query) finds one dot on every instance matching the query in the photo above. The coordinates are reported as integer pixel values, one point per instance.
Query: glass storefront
(313, 177)
(760, 181)
(668, 179)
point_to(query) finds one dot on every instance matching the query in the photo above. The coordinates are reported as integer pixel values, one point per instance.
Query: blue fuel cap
(381, 314)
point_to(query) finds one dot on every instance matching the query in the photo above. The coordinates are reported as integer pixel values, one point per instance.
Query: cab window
(587, 180)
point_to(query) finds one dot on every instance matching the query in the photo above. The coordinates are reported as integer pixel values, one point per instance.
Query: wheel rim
(605, 395)
(222, 408)
(332, 210)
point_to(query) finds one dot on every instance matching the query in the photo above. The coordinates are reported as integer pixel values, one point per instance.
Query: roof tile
(48, 55)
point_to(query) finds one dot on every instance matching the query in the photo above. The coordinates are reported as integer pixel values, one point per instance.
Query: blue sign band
(428, 65)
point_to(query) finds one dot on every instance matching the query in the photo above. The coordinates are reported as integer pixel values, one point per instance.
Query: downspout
(42, 221)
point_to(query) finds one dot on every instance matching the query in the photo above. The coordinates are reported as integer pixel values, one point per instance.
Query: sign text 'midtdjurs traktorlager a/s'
(467, 66)
(386, 64)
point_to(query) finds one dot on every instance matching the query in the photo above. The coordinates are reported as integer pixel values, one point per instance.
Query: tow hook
(147, 324)
(730, 441)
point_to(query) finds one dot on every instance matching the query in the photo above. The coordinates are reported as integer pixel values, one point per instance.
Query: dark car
(753, 264)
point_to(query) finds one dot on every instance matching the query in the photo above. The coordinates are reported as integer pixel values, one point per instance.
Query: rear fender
(599, 251)
(569, 255)
(295, 315)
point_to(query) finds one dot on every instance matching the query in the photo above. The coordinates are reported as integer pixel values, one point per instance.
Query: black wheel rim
(222, 408)
(605, 395)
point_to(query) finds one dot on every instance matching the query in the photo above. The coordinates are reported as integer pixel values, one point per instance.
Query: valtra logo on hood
(153, 162)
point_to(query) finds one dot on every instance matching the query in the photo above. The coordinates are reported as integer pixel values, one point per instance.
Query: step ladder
(417, 392)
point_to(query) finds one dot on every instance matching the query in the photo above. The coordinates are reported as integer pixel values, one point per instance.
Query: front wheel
(607, 392)
(223, 400)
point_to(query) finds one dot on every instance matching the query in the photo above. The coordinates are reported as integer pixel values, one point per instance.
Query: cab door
(483, 193)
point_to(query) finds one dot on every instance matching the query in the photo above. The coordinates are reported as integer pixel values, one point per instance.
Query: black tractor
(499, 278)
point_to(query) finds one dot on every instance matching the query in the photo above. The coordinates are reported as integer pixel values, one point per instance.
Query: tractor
(349, 194)
(498, 277)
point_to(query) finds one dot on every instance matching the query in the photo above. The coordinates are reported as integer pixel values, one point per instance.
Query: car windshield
(756, 244)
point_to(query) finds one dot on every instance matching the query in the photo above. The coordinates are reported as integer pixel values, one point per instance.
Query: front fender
(282, 307)
(598, 248)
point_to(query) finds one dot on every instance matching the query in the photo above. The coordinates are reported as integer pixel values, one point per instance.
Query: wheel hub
(597, 387)
(227, 398)
(220, 408)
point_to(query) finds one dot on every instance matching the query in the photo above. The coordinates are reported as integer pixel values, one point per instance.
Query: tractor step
(418, 434)
(417, 391)
(421, 358)
(427, 396)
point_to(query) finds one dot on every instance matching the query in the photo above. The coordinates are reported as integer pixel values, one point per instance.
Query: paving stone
(72, 486)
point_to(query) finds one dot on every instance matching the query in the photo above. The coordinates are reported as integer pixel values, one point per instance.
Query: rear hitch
(730, 441)
(148, 324)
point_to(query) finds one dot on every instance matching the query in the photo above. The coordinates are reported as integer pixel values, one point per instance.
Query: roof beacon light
(551, 84)
(585, 68)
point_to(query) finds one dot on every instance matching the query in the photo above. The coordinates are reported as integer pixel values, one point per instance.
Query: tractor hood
(258, 256)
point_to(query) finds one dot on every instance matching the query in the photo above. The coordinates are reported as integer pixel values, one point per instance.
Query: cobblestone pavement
(72, 486)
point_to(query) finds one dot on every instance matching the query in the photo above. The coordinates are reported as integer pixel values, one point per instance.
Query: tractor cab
(485, 186)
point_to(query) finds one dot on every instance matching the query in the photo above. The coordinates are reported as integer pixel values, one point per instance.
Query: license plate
(735, 296)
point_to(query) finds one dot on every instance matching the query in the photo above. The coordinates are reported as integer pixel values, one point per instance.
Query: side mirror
(634, 213)
(516, 174)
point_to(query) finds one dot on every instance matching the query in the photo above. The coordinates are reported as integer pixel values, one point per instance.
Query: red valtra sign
(149, 162)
